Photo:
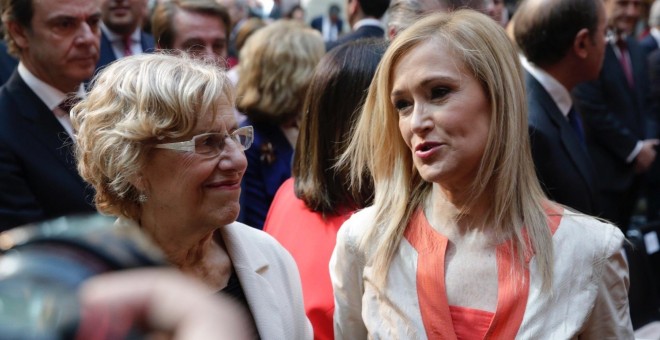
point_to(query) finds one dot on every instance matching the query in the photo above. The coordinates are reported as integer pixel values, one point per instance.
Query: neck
(64, 85)
(182, 247)
(565, 75)
(459, 208)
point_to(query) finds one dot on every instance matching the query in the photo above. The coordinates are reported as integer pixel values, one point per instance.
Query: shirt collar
(367, 22)
(555, 89)
(112, 36)
(48, 94)
(655, 33)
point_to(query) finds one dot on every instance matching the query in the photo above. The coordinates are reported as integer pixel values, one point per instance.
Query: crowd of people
(406, 169)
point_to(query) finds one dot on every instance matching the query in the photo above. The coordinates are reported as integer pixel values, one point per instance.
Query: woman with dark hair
(318, 197)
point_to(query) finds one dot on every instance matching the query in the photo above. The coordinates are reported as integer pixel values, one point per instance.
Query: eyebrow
(425, 82)
(65, 16)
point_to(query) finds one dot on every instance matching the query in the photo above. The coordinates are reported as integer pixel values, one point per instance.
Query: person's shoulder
(589, 234)
(256, 239)
(357, 225)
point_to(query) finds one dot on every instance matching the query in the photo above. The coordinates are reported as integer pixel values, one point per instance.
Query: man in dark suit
(7, 63)
(650, 42)
(555, 64)
(121, 30)
(615, 109)
(364, 17)
(58, 47)
(330, 26)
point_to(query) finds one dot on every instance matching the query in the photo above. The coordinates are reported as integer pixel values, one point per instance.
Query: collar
(555, 89)
(655, 33)
(367, 22)
(112, 36)
(51, 96)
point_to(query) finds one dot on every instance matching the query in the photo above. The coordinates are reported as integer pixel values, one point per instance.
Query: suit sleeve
(346, 268)
(601, 124)
(654, 93)
(610, 317)
(18, 205)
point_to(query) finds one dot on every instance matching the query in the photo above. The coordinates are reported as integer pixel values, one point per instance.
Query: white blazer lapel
(251, 267)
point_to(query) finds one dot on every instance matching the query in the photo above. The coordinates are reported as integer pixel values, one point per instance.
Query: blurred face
(622, 15)
(203, 190)
(62, 46)
(123, 16)
(495, 9)
(298, 15)
(202, 35)
(444, 114)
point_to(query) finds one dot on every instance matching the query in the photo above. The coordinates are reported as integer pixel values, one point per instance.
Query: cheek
(404, 130)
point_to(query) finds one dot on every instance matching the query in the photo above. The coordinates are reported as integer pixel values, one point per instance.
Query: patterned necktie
(576, 123)
(68, 103)
(625, 61)
(127, 46)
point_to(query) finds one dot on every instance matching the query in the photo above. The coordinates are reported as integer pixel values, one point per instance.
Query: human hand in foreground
(646, 156)
(159, 302)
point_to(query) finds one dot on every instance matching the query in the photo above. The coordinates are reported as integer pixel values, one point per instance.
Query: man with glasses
(57, 43)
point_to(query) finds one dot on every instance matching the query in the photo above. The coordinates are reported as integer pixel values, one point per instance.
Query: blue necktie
(576, 123)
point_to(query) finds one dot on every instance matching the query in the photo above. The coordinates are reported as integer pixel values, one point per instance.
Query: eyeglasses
(211, 144)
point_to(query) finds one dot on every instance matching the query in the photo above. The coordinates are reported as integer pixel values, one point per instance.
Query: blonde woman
(277, 64)
(461, 242)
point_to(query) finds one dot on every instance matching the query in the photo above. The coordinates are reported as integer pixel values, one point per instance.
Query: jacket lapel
(250, 269)
(569, 139)
(45, 127)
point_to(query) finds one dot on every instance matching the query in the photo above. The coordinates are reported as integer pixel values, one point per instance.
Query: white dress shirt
(117, 41)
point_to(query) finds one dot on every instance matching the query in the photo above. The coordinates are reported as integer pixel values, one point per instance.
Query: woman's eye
(401, 105)
(439, 92)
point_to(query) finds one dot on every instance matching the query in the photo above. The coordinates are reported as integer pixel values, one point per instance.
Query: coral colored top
(310, 239)
(588, 297)
(470, 324)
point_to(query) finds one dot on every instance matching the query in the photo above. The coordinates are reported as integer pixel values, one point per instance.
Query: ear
(19, 34)
(352, 7)
(581, 43)
(391, 33)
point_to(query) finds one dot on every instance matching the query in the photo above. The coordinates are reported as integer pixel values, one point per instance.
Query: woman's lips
(225, 185)
(427, 149)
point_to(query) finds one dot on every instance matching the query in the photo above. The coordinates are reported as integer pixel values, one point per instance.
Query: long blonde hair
(506, 167)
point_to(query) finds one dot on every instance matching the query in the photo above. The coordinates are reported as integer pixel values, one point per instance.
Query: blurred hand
(164, 302)
(646, 156)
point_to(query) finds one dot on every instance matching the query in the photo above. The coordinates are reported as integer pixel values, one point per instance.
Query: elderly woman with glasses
(157, 139)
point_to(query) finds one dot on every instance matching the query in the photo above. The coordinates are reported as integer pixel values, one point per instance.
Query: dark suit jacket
(107, 55)
(269, 165)
(38, 176)
(7, 63)
(317, 24)
(562, 163)
(654, 72)
(615, 116)
(648, 44)
(363, 32)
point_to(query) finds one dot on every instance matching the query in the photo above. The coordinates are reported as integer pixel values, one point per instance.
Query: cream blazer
(589, 297)
(270, 280)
